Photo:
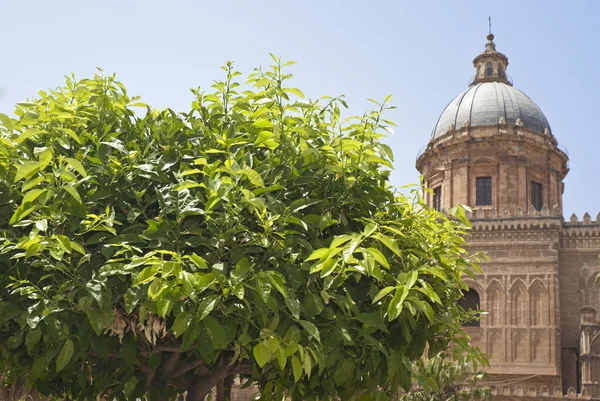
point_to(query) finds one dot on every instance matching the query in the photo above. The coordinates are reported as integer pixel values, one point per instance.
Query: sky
(420, 52)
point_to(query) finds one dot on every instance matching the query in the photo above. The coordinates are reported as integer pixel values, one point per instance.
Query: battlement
(493, 213)
(587, 220)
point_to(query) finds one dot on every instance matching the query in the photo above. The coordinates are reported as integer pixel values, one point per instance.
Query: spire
(490, 66)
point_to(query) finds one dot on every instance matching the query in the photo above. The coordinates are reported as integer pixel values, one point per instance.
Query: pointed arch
(595, 345)
(495, 346)
(537, 348)
(538, 303)
(518, 347)
(494, 304)
(518, 303)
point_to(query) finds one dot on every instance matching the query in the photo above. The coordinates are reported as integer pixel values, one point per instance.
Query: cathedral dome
(491, 103)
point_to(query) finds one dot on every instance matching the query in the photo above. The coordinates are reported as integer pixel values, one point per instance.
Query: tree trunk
(228, 384)
(221, 391)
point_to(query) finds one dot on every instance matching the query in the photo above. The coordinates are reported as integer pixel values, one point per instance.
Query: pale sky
(418, 51)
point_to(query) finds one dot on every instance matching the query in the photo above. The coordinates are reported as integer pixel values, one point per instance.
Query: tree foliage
(442, 378)
(148, 253)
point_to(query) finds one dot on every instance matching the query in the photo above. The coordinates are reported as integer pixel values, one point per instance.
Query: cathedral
(492, 148)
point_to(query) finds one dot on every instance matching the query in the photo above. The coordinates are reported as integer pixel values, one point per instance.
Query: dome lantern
(490, 66)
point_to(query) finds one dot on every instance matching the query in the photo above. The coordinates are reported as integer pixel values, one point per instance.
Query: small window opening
(437, 198)
(489, 70)
(500, 72)
(483, 191)
(470, 301)
(536, 195)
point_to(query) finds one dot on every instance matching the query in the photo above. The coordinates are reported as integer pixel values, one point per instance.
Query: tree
(144, 254)
(442, 378)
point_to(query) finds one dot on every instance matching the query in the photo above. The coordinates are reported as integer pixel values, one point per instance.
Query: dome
(490, 104)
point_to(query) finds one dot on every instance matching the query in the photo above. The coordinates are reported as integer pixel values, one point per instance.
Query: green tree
(147, 254)
(441, 378)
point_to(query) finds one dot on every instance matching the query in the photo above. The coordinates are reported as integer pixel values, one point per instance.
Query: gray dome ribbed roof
(485, 103)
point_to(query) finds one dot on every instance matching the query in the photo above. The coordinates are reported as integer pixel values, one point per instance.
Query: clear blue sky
(418, 51)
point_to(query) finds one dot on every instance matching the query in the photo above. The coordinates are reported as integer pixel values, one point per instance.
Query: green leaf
(96, 319)
(307, 364)
(311, 329)
(28, 133)
(379, 257)
(181, 324)
(163, 305)
(278, 282)
(281, 358)
(32, 338)
(198, 261)
(372, 319)
(396, 304)
(296, 368)
(65, 355)
(294, 91)
(186, 185)
(253, 177)
(382, 293)
(319, 254)
(146, 275)
(206, 306)
(294, 307)
(263, 123)
(216, 333)
(76, 164)
(351, 247)
(28, 169)
(302, 203)
(73, 192)
(262, 354)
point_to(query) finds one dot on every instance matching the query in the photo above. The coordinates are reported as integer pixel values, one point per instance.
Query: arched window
(470, 301)
(500, 72)
(489, 70)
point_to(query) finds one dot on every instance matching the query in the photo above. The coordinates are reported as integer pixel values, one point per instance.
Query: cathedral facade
(493, 149)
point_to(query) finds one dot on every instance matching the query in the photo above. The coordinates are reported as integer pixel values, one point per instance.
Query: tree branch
(190, 366)
(202, 388)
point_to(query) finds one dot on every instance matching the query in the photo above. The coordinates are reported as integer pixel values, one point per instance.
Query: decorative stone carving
(502, 121)
(556, 210)
(518, 211)
(573, 218)
(479, 213)
(505, 212)
(557, 392)
(493, 213)
(519, 391)
(519, 123)
(545, 211)
(587, 219)
(464, 160)
(531, 211)
(544, 392)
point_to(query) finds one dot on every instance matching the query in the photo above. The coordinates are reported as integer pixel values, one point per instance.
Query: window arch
(470, 301)
(518, 298)
(489, 70)
(495, 302)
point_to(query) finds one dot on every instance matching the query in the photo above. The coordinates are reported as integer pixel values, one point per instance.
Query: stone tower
(493, 149)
